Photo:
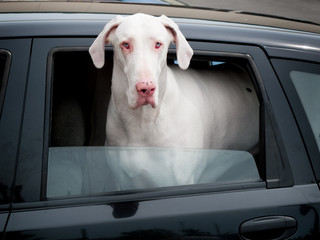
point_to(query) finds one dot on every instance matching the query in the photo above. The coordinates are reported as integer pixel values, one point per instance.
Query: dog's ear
(98, 46)
(184, 51)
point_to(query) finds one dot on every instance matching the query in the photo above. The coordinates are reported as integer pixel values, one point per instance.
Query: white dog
(157, 106)
(154, 105)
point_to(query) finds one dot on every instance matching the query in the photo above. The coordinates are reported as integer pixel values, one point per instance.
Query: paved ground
(308, 10)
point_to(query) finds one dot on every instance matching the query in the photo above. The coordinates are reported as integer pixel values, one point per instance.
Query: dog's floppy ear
(184, 51)
(98, 46)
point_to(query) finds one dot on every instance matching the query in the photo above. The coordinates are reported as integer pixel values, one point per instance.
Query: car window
(301, 82)
(4, 70)
(79, 163)
(308, 88)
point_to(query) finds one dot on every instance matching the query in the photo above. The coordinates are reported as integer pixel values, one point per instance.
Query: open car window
(78, 162)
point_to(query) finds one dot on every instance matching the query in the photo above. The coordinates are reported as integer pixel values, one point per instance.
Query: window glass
(3, 58)
(4, 70)
(301, 82)
(92, 170)
(308, 88)
(79, 163)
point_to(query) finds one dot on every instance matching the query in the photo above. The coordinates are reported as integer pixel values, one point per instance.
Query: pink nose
(145, 88)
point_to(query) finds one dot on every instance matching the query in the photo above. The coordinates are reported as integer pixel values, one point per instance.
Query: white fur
(191, 109)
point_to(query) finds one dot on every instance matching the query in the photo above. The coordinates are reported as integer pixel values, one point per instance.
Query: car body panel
(181, 220)
(13, 103)
(32, 136)
(286, 200)
(12, 110)
(57, 24)
(207, 215)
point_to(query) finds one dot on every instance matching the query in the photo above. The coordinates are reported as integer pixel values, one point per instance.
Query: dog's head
(141, 45)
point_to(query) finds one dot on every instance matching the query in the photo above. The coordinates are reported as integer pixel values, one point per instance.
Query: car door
(14, 59)
(280, 202)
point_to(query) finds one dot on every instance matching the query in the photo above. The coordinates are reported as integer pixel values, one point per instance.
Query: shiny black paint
(275, 42)
(11, 113)
(214, 215)
(289, 188)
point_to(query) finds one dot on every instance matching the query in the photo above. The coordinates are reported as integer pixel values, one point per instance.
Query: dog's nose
(145, 88)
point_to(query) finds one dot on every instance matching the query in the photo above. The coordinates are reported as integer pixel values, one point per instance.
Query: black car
(55, 175)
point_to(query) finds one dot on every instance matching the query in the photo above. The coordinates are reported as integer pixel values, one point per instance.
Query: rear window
(301, 83)
(79, 162)
(308, 88)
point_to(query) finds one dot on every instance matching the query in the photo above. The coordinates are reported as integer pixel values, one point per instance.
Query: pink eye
(126, 45)
(158, 45)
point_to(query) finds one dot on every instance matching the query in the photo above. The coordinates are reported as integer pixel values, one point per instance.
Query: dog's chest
(150, 132)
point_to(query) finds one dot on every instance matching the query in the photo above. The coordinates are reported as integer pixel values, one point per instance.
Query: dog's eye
(126, 45)
(158, 45)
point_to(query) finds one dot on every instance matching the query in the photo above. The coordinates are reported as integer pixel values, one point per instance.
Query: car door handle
(270, 227)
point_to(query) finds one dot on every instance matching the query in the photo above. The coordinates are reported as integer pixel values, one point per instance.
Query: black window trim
(5, 76)
(3, 88)
(163, 192)
(47, 118)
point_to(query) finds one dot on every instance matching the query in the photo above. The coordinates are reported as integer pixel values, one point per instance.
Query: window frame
(5, 76)
(283, 68)
(36, 135)
(174, 190)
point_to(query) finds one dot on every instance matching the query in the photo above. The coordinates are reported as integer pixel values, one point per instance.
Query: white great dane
(154, 105)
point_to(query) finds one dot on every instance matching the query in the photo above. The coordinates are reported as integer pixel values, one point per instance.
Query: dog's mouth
(143, 101)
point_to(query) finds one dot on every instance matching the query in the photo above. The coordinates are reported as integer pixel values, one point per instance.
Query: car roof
(69, 19)
(154, 9)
